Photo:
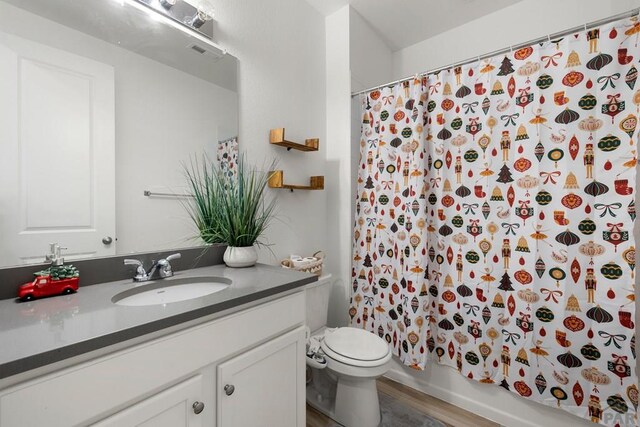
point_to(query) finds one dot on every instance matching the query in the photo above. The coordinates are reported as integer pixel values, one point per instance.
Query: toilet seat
(356, 347)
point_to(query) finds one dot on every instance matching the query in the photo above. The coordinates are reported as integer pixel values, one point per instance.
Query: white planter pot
(240, 257)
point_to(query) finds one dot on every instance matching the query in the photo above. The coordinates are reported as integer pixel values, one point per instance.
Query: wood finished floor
(450, 415)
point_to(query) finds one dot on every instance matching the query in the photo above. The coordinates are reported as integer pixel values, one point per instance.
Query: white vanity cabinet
(179, 379)
(255, 388)
(177, 406)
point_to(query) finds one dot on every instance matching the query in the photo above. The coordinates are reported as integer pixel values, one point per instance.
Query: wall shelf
(276, 180)
(276, 137)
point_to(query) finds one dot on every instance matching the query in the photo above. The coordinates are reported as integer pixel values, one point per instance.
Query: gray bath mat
(397, 414)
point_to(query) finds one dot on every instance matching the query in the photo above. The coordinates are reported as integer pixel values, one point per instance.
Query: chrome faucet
(162, 266)
(54, 256)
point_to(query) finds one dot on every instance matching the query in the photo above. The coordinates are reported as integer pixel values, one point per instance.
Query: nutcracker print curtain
(494, 221)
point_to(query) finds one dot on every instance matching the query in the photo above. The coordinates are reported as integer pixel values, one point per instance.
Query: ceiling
(402, 23)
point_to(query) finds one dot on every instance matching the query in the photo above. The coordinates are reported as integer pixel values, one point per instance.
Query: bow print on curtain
(529, 185)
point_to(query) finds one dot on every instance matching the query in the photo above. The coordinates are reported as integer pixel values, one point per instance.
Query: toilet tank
(317, 296)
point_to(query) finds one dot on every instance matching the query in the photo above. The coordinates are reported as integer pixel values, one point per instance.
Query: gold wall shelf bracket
(276, 180)
(276, 137)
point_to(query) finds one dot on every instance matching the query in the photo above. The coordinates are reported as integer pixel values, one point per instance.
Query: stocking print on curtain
(530, 185)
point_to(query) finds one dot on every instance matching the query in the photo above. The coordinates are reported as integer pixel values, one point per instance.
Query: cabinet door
(173, 407)
(265, 386)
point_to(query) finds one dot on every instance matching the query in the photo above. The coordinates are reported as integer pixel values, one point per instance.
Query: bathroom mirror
(102, 103)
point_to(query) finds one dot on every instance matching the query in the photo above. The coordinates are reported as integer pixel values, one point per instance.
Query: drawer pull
(229, 389)
(198, 407)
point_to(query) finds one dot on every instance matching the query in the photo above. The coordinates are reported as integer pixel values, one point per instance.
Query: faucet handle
(129, 261)
(141, 275)
(55, 254)
(165, 266)
(53, 248)
(174, 256)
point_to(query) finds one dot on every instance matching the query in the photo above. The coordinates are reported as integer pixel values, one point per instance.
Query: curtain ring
(549, 37)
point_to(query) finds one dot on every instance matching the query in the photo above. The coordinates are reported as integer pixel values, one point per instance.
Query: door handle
(229, 389)
(107, 240)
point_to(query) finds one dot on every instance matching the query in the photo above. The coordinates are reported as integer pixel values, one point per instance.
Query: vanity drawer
(85, 393)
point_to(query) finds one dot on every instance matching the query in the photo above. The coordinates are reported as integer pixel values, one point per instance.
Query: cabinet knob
(229, 389)
(198, 407)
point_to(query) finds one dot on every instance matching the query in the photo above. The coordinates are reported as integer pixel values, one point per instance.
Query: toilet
(341, 374)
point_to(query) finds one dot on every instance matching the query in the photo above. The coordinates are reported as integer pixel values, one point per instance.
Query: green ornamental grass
(226, 208)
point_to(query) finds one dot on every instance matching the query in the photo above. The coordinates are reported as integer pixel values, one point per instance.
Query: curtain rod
(549, 37)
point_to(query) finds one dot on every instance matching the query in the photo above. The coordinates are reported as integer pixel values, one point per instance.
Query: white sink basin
(171, 290)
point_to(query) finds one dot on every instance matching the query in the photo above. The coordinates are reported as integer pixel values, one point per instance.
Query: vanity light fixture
(182, 15)
(167, 4)
(204, 13)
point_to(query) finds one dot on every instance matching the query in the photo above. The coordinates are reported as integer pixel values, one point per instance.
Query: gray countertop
(41, 332)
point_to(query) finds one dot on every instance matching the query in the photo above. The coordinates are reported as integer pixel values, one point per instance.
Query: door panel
(58, 135)
(172, 407)
(53, 98)
(268, 385)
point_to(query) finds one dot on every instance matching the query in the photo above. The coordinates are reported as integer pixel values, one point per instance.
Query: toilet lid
(356, 344)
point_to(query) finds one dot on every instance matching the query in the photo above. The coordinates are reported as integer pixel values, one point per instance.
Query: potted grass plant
(231, 209)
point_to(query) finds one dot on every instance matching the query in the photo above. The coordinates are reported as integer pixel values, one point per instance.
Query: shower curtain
(227, 155)
(494, 221)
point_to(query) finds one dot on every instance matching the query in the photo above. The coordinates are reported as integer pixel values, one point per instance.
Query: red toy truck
(44, 286)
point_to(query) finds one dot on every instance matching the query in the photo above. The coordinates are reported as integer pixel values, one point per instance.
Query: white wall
(371, 60)
(523, 21)
(339, 189)
(516, 24)
(183, 116)
(163, 116)
(280, 46)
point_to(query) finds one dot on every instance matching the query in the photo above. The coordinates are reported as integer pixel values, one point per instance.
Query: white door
(264, 387)
(57, 158)
(173, 407)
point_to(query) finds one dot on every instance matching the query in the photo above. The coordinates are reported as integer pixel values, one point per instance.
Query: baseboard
(491, 413)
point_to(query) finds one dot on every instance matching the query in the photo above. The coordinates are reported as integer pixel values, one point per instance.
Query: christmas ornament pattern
(494, 221)
(227, 156)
